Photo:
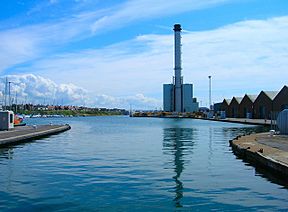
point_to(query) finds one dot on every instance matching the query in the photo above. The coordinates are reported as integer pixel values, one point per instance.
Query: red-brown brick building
(225, 105)
(266, 105)
(246, 106)
(233, 109)
(281, 100)
(263, 105)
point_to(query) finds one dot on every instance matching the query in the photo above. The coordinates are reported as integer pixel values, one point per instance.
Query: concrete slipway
(25, 133)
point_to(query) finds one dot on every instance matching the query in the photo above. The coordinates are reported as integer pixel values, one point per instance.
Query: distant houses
(262, 106)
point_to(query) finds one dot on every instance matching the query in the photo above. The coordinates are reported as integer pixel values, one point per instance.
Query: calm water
(134, 164)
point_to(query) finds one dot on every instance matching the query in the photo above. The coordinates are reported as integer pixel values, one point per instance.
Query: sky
(112, 53)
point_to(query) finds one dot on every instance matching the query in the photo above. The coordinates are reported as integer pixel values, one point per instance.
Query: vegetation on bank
(70, 112)
(169, 114)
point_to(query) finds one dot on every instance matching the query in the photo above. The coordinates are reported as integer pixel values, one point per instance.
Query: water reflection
(6, 153)
(269, 175)
(235, 131)
(178, 142)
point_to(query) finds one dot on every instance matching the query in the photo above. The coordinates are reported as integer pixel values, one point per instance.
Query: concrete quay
(25, 133)
(262, 122)
(269, 152)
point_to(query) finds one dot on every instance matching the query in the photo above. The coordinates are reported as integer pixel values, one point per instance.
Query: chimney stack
(178, 78)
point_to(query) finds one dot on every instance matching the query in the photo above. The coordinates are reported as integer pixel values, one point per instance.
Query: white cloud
(27, 43)
(147, 9)
(138, 101)
(244, 57)
(30, 88)
(35, 89)
(16, 47)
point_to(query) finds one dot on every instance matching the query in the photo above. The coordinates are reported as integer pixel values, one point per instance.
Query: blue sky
(116, 53)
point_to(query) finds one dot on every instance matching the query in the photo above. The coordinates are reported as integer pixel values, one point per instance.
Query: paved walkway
(23, 133)
(246, 121)
(271, 151)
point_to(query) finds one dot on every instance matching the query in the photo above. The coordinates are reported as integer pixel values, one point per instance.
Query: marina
(85, 125)
(107, 163)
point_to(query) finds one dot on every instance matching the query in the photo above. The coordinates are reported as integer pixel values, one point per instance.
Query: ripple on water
(122, 163)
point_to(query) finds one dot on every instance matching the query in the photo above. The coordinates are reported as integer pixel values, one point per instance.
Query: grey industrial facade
(188, 103)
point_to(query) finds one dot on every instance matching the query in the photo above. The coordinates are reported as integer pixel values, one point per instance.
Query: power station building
(178, 97)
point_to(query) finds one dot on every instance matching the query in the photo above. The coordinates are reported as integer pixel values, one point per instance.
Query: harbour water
(135, 164)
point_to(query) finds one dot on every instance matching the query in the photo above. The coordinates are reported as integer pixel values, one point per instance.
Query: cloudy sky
(119, 53)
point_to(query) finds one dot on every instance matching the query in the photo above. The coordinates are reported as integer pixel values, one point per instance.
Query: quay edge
(28, 133)
(271, 159)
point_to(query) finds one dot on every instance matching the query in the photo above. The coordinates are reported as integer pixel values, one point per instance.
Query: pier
(26, 133)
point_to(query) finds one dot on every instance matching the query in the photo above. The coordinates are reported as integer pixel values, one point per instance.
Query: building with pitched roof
(233, 109)
(266, 105)
(246, 106)
(225, 105)
(281, 100)
(263, 105)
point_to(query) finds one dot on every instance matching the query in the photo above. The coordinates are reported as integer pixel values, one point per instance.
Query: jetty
(264, 149)
(26, 133)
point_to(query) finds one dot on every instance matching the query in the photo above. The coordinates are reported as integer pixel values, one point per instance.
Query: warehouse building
(266, 105)
(246, 106)
(225, 105)
(281, 100)
(263, 105)
(233, 109)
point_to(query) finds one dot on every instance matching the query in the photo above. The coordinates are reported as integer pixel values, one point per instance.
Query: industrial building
(246, 106)
(265, 105)
(280, 101)
(177, 96)
(233, 109)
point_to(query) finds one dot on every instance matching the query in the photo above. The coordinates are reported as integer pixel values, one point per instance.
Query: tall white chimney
(178, 77)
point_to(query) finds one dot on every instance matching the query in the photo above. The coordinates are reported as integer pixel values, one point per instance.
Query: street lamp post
(9, 95)
(210, 101)
(5, 94)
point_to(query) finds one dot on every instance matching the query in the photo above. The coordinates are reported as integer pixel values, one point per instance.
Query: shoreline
(261, 122)
(23, 134)
(261, 149)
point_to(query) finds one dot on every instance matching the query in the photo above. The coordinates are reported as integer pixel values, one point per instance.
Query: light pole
(5, 94)
(9, 95)
(210, 102)
(16, 102)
